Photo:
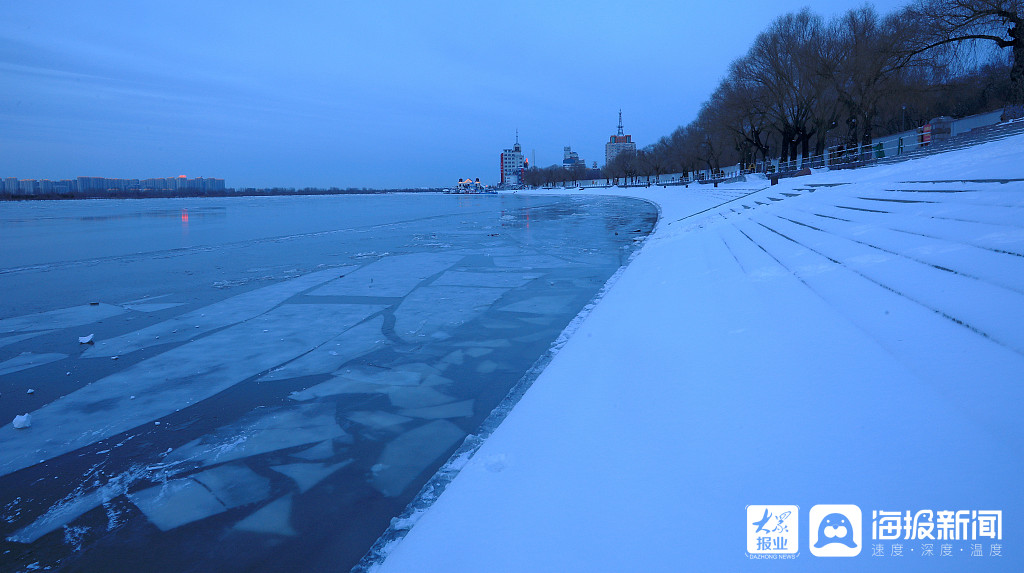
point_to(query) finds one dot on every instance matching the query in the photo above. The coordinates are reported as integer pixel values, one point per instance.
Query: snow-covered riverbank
(849, 337)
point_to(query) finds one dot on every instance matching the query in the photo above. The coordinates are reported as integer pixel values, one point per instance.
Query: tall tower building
(513, 163)
(618, 143)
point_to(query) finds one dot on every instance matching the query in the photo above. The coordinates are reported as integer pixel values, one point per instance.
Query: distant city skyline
(397, 94)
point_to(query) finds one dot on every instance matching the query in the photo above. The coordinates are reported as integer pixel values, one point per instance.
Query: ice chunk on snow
(85, 339)
(308, 475)
(62, 318)
(429, 309)
(392, 276)
(463, 409)
(261, 431)
(274, 518)
(174, 380)
(27, 360)
(22, 421)
(411, 453)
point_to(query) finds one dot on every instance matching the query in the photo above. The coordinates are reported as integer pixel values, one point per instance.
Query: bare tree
(782, 62)
(954, 25)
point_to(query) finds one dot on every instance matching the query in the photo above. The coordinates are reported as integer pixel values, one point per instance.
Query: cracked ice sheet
(392, 276)
(408, 455)
(350, 344)
(217, 315)
(356, 381)
(306, 476)
(263, 430)
(463, 409)
(504, 279)
(182, 501)
(275, 518)
(19, 337)
(27, 360)
(173, 380)
(62, 318)
(531, 262)
(546, 305)
(432, 308)
(152, 306)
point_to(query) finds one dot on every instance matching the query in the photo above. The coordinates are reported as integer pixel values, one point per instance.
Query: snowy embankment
(849, 337)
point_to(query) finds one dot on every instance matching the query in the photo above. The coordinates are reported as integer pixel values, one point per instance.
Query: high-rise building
(571, 159)
(513, 163)
(618, 143)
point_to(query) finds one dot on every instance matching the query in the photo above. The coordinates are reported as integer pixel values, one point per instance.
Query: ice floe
(182, 501)
(7, 340)
(27, 360)
(392, 276)
(411, 453)
(463, 409)
(175, 379)
(321, 451)
(261, 431)
(545, 305)
(501, 279)
(354, 342)
(61, 318)
(531, 261)
(273, 518)
(432, 308)
(417, 397)
(307, 475)
(218, 315)
(378, 419)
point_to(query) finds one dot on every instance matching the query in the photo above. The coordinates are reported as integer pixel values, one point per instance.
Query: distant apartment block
(104, 185)
(513, 163)
(618, 143)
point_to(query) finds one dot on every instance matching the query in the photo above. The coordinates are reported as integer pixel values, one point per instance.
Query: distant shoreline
(276, 192)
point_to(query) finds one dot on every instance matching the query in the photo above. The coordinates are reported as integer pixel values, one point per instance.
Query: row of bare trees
(806, 84)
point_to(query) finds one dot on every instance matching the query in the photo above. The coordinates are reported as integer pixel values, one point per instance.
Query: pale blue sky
(386, 94)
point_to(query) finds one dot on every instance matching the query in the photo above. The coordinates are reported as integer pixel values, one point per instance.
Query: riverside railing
(891, 147)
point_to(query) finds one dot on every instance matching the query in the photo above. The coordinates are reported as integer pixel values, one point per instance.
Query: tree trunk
(1017, 71)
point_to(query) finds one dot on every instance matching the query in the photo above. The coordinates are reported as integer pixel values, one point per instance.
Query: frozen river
(268, 380)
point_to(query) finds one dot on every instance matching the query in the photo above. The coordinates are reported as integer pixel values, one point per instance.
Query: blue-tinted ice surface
(270, 380)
